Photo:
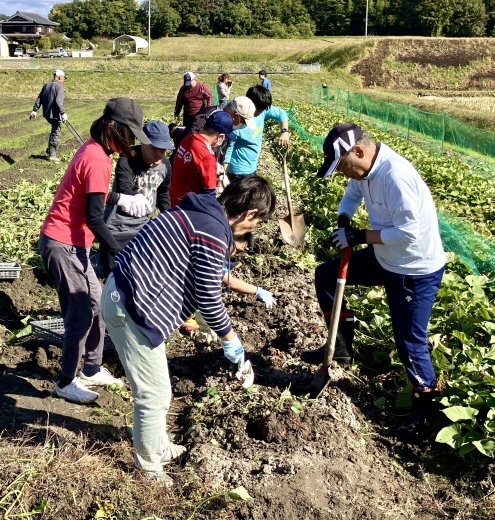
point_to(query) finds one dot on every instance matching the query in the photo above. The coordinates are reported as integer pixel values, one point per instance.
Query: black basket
(53, 332)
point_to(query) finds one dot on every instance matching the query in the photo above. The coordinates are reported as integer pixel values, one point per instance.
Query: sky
(41, 7)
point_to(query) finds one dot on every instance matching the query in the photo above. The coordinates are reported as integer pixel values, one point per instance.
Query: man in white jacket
(404, 254)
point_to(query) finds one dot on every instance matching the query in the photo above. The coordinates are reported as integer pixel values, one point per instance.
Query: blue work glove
(266, 297)
(348, 237)
(233, 349)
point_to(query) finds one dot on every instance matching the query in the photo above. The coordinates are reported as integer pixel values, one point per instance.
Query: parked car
(59, 53)
(19, 52)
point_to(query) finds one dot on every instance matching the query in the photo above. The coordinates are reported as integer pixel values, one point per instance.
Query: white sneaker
(76, 392)
(173, 453)
(101, 378)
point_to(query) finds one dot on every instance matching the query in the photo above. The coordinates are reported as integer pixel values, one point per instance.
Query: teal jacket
(243, 154)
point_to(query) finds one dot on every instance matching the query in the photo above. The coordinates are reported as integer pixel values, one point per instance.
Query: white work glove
(64, 117)
(205, 333)
(140, 206)
(135, 205)
(233, 349)
(33, 115)
(266, 297)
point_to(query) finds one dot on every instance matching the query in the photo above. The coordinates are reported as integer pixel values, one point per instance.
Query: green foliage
(23, 209)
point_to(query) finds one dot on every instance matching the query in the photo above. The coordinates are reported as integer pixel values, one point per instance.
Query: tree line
(276, 18)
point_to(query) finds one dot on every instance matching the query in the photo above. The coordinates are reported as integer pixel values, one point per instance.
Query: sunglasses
(340, 162)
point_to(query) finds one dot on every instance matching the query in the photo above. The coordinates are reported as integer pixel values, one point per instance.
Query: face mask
(238, 127)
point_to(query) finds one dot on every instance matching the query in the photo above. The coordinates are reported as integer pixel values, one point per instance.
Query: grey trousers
(79, 294)
(146, 369)
(55, 133)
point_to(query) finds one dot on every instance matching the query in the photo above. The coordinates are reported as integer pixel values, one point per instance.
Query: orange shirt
(194, 168)
(89, 171)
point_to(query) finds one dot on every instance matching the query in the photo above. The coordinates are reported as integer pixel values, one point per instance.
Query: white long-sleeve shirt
(400, 205)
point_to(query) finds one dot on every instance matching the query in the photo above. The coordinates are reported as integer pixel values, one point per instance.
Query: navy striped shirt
(174, 266)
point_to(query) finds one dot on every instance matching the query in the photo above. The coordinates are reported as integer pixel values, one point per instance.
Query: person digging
(404, 253)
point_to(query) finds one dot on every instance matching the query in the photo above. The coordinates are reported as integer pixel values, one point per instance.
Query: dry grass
(70, 479)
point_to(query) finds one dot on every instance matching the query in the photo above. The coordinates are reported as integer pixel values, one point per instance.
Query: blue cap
(222, 123)
(158, 134)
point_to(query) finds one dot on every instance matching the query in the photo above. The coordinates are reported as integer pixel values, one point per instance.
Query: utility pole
(149, 27)
(366, 21)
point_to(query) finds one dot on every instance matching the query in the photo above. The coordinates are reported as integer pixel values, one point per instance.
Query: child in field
(149, 173)
(74, 220)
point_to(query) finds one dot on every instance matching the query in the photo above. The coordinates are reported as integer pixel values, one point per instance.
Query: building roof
(141, 43)
(23, 16)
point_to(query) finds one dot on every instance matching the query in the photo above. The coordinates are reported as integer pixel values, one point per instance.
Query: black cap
(128, 112)
(338, 142)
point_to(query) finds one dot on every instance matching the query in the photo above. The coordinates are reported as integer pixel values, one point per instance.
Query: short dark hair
(252, 192)
(262, 73)
(260, 96)
(105, 131)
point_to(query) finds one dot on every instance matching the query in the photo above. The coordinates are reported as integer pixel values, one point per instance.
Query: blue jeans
(410, 299)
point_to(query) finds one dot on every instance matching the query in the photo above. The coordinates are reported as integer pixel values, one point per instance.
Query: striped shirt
(174, 266)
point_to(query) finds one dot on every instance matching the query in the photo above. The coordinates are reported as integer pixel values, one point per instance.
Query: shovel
(292, 226)
(74, 131)
(322, 377)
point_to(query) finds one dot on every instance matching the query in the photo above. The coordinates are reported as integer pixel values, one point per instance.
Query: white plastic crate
(53, 331)
(9, 270)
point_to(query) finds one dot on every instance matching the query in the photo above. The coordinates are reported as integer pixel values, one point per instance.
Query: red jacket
(193, 99)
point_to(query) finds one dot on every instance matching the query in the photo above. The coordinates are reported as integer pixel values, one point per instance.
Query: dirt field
(334, 458)
(455, 64)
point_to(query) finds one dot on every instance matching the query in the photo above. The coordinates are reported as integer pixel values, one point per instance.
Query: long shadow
(7, 158)
(15, 418)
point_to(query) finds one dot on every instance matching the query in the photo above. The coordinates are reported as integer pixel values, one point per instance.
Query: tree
(469, 19)
(434, 16)
(164, 20)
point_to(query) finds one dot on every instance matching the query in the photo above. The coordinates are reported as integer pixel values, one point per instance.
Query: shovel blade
(293, 230)
(320, 382)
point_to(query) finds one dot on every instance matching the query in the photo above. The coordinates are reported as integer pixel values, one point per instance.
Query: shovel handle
(337, 305)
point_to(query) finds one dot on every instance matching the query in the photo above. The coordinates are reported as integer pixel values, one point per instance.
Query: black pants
(234, 177)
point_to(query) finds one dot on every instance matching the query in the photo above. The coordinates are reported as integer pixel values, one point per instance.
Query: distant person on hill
(404, 254)
(224, 86)
(51, 98)
(243, 154)
(149, 173)
(192, 97)
(73, 222)
(265, 82)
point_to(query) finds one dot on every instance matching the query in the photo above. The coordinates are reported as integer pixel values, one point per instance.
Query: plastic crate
(53, 332)
(9, 270)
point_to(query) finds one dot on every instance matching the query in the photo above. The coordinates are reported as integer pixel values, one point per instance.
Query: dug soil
(429, 64)
(333, 458)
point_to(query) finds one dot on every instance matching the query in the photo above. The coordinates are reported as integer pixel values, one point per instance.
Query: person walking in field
(147, 172)
(73, 222)
(265, 82)
(51, 98)
(171, 268)
(224, 86)
(404, 253)
(192, 97)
